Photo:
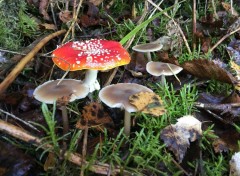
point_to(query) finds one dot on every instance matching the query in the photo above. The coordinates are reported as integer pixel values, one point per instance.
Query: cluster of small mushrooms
(97, 55)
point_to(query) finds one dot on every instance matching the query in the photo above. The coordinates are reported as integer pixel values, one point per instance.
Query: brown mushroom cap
(49, 91)
(147, 47)
(161, 68)
(117, 95)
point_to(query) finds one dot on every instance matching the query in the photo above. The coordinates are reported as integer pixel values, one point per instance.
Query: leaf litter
(223, 111)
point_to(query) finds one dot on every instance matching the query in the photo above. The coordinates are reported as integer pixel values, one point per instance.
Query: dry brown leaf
(96, 2)
(50, 162)
(178, 137)
(43, 5)
(220, 146)
(229, 9)
(236, 68)
(65, 16)
(48, 26)
(94, 116)
(148, 102)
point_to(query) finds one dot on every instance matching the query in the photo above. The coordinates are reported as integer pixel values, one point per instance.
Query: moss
(15, 24)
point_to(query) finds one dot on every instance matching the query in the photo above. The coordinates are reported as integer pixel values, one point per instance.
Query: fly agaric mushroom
(51, 91)
(93, 55)
(163, 69)
(148, 48)
(117, 96)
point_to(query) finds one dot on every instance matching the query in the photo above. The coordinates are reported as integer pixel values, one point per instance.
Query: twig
(53, 14)
(223, 38)
(99, 168)
(84, 149)
(180, 167)
(20, 66)
(74, 15)
(194, 22)
(17, 118)
(221, 107)
(214, 9)
(73, 21)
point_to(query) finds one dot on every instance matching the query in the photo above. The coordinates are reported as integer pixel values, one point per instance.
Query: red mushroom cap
(94, 54)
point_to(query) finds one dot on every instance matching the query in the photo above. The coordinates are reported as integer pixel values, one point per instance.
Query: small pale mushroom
(148, 48)
(117, 96)
(163, 69)
(92, 55)
(51, 91)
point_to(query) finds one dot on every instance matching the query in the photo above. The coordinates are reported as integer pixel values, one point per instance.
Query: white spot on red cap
(89, 59)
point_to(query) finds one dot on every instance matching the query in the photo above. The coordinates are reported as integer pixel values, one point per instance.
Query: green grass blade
(142, 25)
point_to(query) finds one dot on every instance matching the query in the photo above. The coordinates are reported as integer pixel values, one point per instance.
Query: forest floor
(182, 123)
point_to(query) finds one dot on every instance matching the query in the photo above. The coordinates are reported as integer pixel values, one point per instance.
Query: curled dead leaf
(220, 146)
(235, 165)
(178, 137)
(94, 116)
(148, 102)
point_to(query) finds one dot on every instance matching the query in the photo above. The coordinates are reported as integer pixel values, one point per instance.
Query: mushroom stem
(127, 123)
(65, 120)
(149, 57)
(91, 80)
(163, 80)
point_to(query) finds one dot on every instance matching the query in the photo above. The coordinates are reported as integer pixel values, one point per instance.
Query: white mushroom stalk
(91, 80)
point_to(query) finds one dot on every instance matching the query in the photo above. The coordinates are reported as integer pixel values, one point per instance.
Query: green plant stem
(127, 123)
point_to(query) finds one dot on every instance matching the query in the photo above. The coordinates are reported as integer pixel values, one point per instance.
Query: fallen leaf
(48, 26)
(43, 5)
(220, 146)
(65, 16)
(50, 162)
(229, 9)
(235, 165)
(233, 50)
(13, 161)
(95, 2)
(94, 116)
(178, 137)
(236, 68)
(148, 102)
(137, 66)
(91, 18)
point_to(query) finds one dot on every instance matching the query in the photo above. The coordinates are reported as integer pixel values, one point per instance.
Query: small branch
(19, 133)
(20, 66)
(19, 119)
(194, 22)
(223, 38)
(84, 149)
(73, 21)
